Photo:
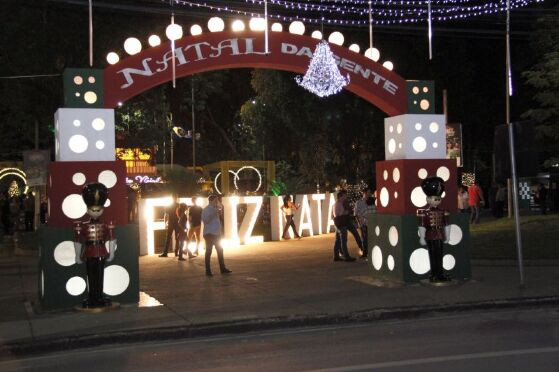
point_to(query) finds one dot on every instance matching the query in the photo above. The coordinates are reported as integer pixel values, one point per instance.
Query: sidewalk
(276, 284)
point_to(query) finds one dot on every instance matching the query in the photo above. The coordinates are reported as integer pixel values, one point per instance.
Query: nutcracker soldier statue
(89, 242)
(434, 229)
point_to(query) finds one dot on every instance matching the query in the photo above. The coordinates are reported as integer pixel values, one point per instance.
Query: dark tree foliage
(543, 77)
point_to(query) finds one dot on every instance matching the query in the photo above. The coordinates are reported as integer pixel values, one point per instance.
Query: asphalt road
(525, 340)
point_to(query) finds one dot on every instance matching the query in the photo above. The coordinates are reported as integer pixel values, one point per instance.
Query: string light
(323, 77)
(384, 12)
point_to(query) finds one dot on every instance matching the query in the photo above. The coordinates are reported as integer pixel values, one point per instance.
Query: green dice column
(395, 253)
(54, 273)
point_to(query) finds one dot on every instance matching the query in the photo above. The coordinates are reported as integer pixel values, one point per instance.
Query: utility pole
(193, 132)
(512, 154)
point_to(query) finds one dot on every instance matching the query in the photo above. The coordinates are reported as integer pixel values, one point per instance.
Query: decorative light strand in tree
(323, 77)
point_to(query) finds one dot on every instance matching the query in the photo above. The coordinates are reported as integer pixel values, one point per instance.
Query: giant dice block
(84, 134)
(415, 136)
(395, 253)
(399, 184)
(66, 181)
(62, 283)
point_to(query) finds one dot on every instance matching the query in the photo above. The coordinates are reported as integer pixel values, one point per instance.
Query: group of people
(186, 223)
(347, 220)
(17, 213)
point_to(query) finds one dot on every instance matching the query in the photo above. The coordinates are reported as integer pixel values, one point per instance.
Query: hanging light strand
(384, 12)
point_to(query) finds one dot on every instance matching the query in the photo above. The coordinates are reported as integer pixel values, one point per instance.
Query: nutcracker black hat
(433, 186)
(95, 195)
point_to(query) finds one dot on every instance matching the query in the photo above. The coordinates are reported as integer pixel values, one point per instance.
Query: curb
(54, 344)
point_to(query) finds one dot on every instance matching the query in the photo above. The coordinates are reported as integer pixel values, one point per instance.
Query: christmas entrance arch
(224, 50)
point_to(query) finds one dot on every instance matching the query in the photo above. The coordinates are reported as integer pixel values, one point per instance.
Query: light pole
(193, 132)
(512, 154)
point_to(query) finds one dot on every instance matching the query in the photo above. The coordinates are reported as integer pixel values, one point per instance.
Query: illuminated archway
(225, 50)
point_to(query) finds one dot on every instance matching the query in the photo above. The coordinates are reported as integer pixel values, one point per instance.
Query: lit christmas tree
(323, 77)
(13, 190)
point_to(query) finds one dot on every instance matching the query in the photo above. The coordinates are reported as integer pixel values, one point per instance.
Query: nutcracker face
(434, 201)
(95, 211)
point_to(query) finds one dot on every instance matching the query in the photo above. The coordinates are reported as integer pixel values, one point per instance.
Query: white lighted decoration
(416, 134)
(396, 175)
(64, 253)
(107, 178)
(419, 261)
(154, 40)
(449, 262)
(277, 27)
(238, 25)
(327, 220)
(390, 262)
(195, 30)
(316, 212)
(73, 206)
(377, 230)
(336, 37)
(418, 197)
(230, 225)
(323, 77)
(80, 143)
(376, 255)
(148, 224)
(276, 217)
(216, 24)
(248, 167)
(316, 35)
(112, 58)
(388, 65)
(173, 31)
(384, 197)
(132, 46)
(297, 27)
(257, 24)
(78, 179)
(143, 179)
(455, 235)
(422, 173)
(218, 175)
(372, 53)
(444, 173)
(254, 204)
(75, 286)
(302, 217)
(393, 236)
(354, 48)
(116, 280)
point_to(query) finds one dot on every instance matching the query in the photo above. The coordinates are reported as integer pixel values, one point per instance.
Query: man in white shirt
(212, 234)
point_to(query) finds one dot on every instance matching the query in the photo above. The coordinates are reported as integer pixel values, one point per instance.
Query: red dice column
(415, 148)
(85, 153)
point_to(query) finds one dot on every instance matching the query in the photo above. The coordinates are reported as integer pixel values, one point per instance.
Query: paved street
(479, 341)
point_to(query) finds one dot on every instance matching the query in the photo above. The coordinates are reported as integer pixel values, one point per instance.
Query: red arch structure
(225, 50)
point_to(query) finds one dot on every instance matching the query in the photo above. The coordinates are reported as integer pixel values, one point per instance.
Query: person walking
(475, 200)
(542, 198)
(212, 234)
(171, 221)
(288, 208)
(463, 199)
(364, 207)
(195, 222)
(500, 199)
(29, 208)
(341, 221)
(182, 219)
